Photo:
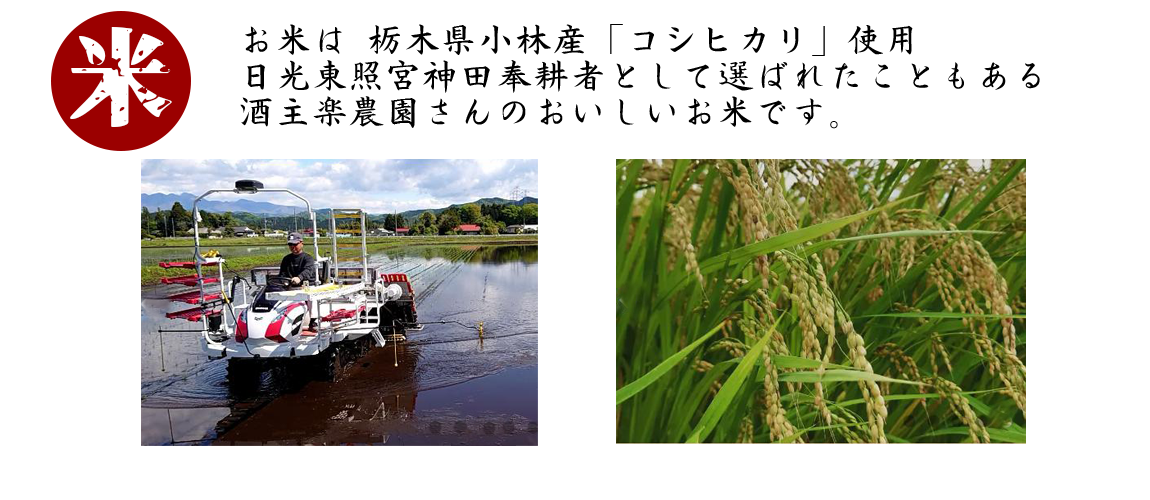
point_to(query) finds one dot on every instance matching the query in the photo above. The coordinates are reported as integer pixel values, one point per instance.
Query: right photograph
(820, 301)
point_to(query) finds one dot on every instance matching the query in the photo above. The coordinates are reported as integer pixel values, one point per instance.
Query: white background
(70, 365)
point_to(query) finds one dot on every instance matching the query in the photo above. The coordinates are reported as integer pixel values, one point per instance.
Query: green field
(151, 274)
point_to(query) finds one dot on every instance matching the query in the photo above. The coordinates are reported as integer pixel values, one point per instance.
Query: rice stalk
(889, 267)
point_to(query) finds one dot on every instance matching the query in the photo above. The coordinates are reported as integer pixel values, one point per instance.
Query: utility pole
(515, 201)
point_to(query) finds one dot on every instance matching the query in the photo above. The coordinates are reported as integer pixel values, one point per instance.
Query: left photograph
(331, 302)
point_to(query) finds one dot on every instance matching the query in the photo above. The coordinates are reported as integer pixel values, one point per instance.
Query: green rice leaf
(903, 397)
(942, 315)
(1000, 435)
(909, 233)
(991, 195)
(840, 376)
(977, 405)
(919, 180)
(783, 361)
(624, 393)
(790, 238)
(730, 387)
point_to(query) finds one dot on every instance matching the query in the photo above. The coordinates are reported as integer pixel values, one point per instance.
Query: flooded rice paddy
(445, 385)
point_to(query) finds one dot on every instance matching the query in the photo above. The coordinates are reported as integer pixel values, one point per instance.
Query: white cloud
(375, 185)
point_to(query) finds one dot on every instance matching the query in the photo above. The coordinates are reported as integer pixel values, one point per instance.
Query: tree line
(491, 218)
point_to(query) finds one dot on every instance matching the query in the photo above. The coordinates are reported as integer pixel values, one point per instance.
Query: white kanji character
(116, 81)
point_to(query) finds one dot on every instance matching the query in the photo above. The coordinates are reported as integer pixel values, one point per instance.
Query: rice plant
(792, 301)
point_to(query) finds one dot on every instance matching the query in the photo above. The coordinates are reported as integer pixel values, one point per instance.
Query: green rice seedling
(806, 301)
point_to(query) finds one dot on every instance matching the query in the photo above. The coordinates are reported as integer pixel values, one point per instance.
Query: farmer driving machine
(322, 323)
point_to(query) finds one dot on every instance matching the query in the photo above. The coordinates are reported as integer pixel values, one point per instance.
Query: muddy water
(446, 385)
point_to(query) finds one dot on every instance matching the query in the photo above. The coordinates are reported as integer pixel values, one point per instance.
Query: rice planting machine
(262, 318)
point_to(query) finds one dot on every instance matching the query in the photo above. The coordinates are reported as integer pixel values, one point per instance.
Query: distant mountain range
(412, 214)
(164, 201)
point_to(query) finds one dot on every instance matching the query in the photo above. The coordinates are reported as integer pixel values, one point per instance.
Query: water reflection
(380, 388)
(520, 255)
(180, 425)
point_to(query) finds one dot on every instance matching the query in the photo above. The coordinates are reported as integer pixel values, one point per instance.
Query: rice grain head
(961, 408)
(875, 404)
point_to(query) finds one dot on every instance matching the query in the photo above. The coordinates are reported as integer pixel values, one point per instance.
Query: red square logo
(122, 82)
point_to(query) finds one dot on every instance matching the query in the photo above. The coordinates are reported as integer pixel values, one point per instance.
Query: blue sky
(375, 185)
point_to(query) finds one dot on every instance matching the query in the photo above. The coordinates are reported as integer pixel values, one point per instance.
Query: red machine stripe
(190, 280)
(193, 297)
(242, 327)
(342, 314)
(273, 332)
(398, 278)
(184, 264)
(337, 315)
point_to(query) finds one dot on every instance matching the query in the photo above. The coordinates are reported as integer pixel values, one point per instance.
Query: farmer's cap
(294, 238)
